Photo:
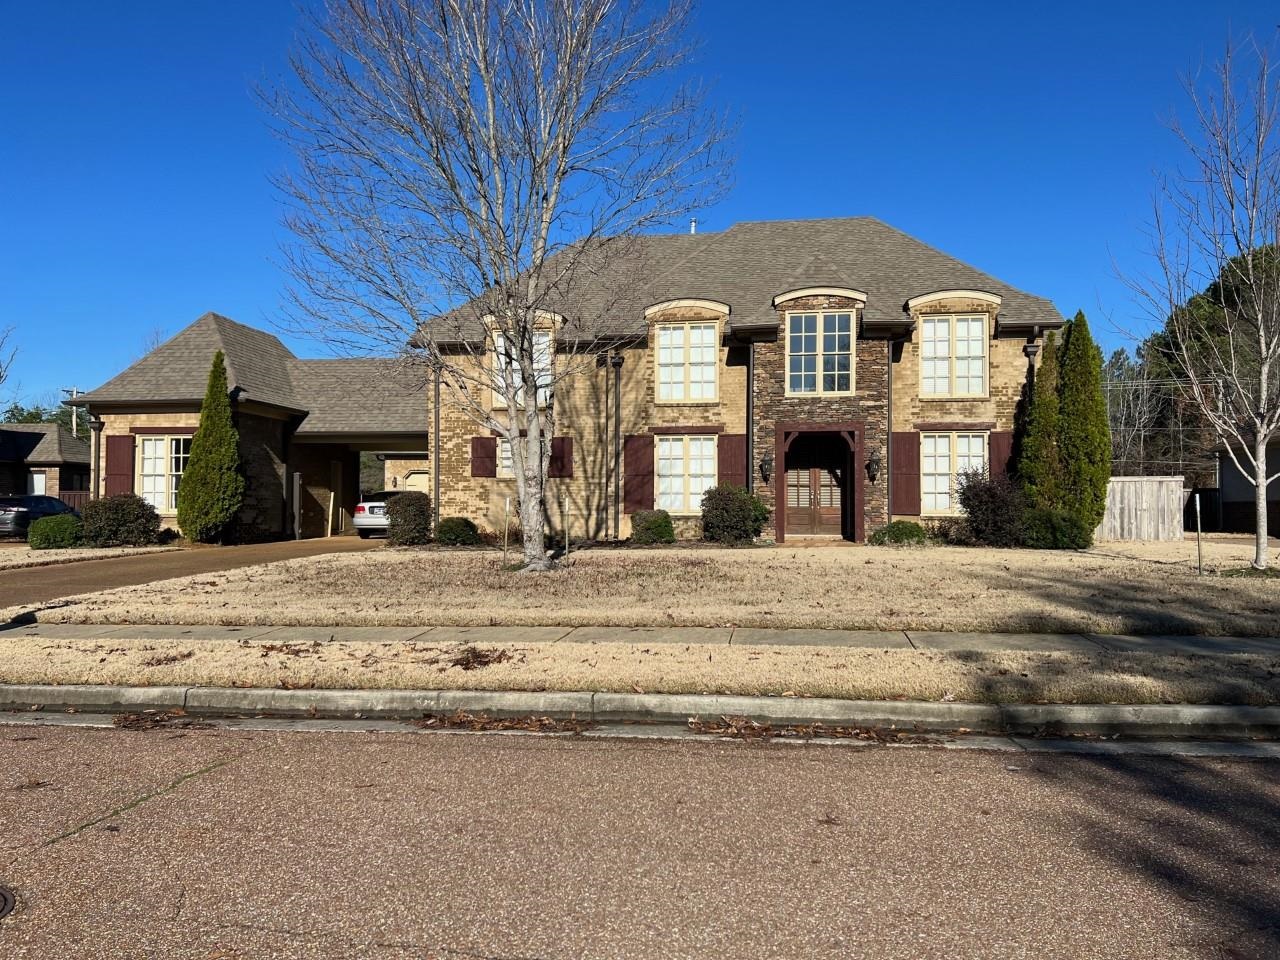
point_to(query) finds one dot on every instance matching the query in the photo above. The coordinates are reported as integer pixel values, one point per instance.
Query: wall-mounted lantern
(766, 467)
(873, 467)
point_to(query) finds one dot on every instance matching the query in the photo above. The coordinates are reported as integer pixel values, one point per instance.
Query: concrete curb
(1154, 720)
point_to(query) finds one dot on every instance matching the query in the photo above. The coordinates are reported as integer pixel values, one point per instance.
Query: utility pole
(72, 393)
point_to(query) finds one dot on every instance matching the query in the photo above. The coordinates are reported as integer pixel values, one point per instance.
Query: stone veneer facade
(867, 407)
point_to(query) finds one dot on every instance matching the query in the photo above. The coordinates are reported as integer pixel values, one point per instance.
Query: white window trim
(499, 401)
(853, 354)
(715, 460)
(951, 394)
(718, 346)
(953, 447)
(169, 493)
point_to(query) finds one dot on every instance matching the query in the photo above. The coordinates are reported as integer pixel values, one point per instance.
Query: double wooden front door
(814, 502)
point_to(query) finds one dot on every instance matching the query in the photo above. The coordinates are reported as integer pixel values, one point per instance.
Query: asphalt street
(221, 844)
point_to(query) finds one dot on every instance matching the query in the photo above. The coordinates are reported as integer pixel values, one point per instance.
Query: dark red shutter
(484, 456)
(118, 475)
(560, 464)
(637, 466)
(733, 458)
(999, 450)
(906, 474)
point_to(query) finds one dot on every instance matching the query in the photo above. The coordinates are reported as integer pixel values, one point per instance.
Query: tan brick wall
(581, 414)
(118, 424)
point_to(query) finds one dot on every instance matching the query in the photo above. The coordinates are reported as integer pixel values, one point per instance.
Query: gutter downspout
(607, 444)
(751, 416)
(95, 478)
(888, 438)
(435, 454)
(616, 363)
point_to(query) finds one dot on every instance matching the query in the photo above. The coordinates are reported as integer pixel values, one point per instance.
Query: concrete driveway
(233, 844)
(40, 584)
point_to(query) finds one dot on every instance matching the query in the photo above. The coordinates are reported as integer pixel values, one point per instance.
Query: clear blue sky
(1019, 137)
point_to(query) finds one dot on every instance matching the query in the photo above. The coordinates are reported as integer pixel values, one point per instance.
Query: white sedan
(371, 513)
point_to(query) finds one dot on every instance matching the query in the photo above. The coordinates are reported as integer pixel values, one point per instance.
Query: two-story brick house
(844, 371)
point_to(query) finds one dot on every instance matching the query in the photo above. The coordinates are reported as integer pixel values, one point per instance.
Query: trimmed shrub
(56, 533)
(212, 487)
(515, 535)
(125, 520)
(993, 508)
(409, 519)
(732, 515)
(652, 526)
(457, 532)
(953, 531)
(899, 532)
(1045, 529)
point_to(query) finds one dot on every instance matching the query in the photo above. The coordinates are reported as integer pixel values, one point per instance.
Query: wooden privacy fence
(1143, 508)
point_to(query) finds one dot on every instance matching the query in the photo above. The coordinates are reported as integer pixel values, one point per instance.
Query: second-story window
(686, 355)
(542, 366)
(953, 356)
(820, 352)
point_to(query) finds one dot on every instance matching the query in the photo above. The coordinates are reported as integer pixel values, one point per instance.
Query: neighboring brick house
(302, 424)
(841, 369)
(43, 458)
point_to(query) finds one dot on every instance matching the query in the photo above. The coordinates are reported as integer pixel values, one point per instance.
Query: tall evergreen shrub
(212, 487)
(1084, 433)
(1039, 466)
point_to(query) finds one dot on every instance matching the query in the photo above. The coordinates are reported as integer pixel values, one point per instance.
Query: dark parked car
(18, 513)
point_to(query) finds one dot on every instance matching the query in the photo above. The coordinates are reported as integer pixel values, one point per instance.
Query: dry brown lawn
(17, 556)
(850, 673)
(1112, 589)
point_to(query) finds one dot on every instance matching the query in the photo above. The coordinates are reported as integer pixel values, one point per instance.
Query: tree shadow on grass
(1211, 606)
(1126, 678)
(1208, 831)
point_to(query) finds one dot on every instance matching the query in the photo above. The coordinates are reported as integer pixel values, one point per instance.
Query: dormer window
(687, 355)
(504, 364)
(820, 352)
(953, 355)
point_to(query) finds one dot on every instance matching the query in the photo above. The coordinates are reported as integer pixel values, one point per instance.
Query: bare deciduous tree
(469, 172)
(7, 354)
(1216, 286)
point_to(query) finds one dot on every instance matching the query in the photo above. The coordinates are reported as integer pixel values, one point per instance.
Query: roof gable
(178, 370)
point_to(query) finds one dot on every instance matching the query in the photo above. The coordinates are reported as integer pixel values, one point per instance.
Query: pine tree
(1084, 433)
(1040, 463)
(212, 487)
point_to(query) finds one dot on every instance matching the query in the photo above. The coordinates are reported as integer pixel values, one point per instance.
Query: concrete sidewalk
(724, 636)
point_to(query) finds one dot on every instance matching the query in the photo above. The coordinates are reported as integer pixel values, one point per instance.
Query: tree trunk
(1260, 503)
(532, 501)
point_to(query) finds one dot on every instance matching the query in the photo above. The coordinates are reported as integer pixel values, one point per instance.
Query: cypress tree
(212, 487)
(1084, 433)
(1040, 461)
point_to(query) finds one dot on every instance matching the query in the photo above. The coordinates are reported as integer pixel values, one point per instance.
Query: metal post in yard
(506, 528)
(1199, 548)
(564, 525)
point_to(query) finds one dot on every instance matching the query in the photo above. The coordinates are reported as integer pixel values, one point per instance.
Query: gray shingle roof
(41, 443)
(337, 396)
(360, 396)
(749, 264)
(178, 369)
